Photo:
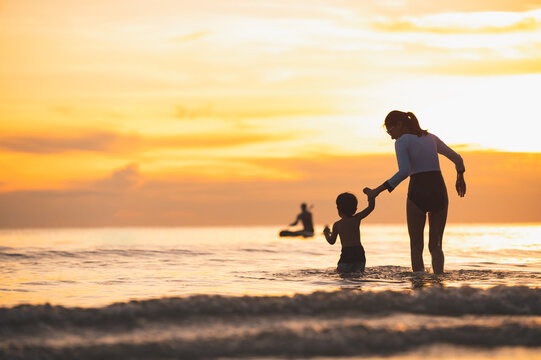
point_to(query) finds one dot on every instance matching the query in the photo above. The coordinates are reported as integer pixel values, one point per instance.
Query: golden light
(207, 89)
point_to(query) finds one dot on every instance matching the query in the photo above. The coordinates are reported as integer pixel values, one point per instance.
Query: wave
(280, 341)
(499, 300)
(7, 253)
(340, 323)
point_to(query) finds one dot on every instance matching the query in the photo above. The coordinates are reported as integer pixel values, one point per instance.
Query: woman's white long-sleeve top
(416, 154)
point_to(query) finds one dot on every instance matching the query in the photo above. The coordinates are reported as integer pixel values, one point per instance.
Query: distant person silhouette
(352, 257)
(417, 155)
(305, 217)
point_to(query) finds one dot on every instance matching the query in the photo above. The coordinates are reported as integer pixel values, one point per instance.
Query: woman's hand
(460, 185)
(371, 193)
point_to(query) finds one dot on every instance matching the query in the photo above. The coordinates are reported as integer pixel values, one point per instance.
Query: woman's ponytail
(412, 124)
(409, 122)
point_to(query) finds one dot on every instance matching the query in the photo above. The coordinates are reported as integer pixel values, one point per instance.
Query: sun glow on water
(100, 266)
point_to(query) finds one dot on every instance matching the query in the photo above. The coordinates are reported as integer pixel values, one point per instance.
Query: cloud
(261, 110)
(468, 57)
(194, 112)
(213, 140)
(463, 23)
(512, 196)
(43, 144)
(431, 7)
(487, 67)
(192, 36)
(208, 112)
(122, 179)
(119, 143)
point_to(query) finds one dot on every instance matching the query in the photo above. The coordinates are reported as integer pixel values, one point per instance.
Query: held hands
(460, 185)
(371, 193)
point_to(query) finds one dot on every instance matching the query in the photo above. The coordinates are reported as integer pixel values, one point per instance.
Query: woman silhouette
(417, 155)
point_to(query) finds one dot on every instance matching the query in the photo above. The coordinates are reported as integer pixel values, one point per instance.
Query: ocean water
(243, 292)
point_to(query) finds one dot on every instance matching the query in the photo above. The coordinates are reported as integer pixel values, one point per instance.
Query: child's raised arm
(371, 206)
(330, 236)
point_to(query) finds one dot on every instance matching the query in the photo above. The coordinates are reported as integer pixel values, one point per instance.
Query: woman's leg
(416, 227)
(437, 221)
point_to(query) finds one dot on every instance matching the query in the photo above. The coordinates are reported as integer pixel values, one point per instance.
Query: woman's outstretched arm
(373, 193)
(403, 172)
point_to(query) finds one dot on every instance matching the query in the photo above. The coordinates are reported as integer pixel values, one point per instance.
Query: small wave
(340, 323)
(499, 300)
(272, 339)
(8, 255)
(97, 254)
(260, 250)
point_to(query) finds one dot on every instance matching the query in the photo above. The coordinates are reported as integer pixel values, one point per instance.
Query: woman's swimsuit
(417, 157)
(427, 190)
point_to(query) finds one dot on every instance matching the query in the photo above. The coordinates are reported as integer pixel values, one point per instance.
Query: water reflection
(423, 280)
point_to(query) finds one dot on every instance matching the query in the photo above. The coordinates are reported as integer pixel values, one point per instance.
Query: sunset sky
(234, 112)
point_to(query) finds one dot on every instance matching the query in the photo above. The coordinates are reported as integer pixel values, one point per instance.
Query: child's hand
(369, 193)
(326, 230)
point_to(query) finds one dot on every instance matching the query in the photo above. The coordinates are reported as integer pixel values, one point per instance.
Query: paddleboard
(288, 233)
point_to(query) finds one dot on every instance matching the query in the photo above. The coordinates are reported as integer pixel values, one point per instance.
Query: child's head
(346, 203)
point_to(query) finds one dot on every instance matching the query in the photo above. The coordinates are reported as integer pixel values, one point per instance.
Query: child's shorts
(350, 267)
(352, 259)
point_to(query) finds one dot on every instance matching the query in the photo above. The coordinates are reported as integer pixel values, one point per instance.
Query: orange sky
(218, 112)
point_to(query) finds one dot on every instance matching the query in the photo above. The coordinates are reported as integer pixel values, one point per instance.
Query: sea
(246, 293)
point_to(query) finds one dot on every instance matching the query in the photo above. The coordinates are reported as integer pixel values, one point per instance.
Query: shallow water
(246, 293)
(80, 267)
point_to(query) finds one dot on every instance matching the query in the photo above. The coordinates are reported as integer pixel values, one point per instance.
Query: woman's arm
(373, 193)
(450, 154)
(402, 158)
(459, 165)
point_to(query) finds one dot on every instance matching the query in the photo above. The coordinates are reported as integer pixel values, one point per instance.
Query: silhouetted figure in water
(417, 155)
(352, 257)
(305, 217)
